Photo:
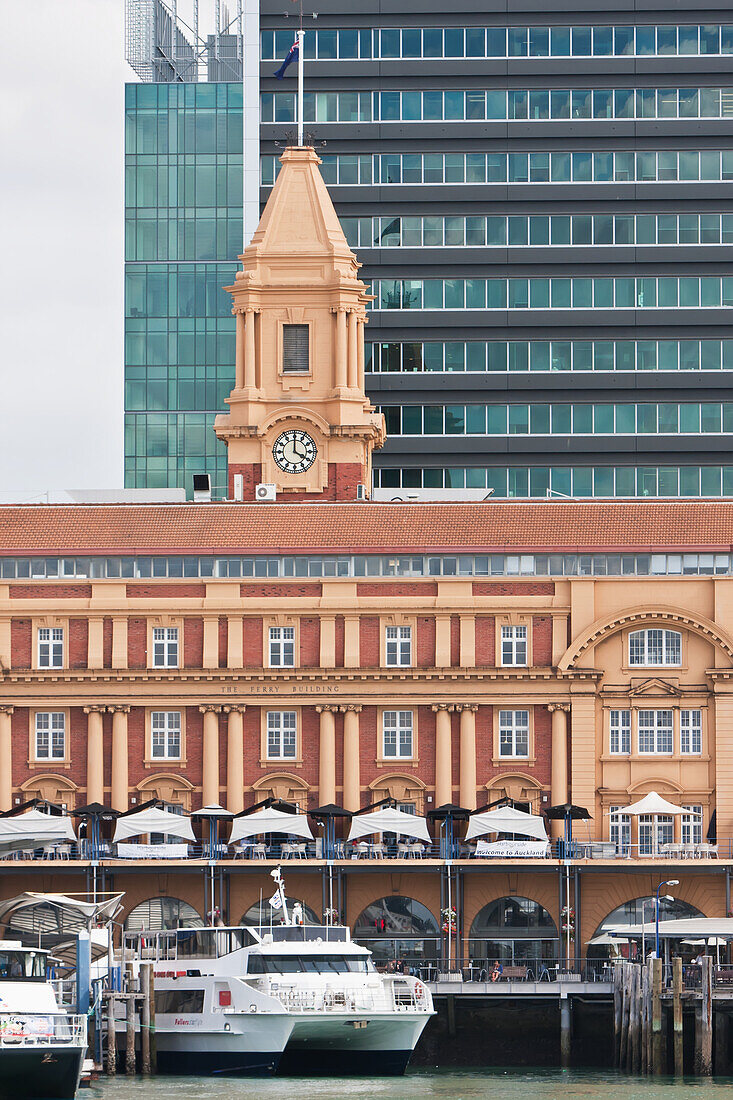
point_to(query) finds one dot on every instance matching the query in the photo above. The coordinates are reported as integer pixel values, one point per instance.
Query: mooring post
(151, 1010)
(626, 1013)
(130, 1021)
(706, 1018)
(720, 1048)
(617, 1014)
(565, 1032)
(145, 1018)
(677, 1009)
(658, 1068)
(111, 1036)
(635, 1022)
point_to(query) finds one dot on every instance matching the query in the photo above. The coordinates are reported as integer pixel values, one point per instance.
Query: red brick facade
(343, 479)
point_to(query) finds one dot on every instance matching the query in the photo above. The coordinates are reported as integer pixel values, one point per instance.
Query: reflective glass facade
(517, 220)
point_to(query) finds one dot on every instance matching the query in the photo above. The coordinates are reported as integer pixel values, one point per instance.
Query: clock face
(294, 451)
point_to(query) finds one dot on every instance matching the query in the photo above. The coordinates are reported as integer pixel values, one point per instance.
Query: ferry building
(305, 644)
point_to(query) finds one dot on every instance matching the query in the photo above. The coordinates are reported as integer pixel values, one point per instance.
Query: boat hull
(238, 1044)
(325, 1045)
(32, 1073)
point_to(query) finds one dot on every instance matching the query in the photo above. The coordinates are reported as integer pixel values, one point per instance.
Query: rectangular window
(165, 647)
(281, 734)
(514, 645)
(165, 734)
(655, 731)
(691, 731)
(282, 646)
(514, 733)
(655, 831)
(692, 825)
(398, 647)
(620, 830)
(620, 731)
(295, 349)
(50, 735)
(655, 647)
(397, 734)
(50, 647)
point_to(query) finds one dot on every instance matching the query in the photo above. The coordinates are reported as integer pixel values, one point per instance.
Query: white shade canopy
(153, 820)
(213, 812)
(389, 821)
(33, 830)
(505, 819)
(270, 821)
(682, 928)
(652, 803)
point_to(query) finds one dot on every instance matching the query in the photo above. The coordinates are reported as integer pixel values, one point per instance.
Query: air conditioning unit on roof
(266, 492)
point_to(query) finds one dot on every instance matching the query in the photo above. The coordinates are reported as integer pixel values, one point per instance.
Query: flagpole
(300, 35)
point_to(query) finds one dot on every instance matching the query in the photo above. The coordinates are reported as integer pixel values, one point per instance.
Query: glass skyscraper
(542, 204)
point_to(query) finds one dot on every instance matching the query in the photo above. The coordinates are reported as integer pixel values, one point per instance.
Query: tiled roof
(365, 527)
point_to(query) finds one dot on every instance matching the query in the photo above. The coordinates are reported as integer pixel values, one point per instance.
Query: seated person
(496, 971)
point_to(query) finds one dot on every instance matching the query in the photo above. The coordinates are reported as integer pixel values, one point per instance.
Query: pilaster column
(6, 758)
(353, 368)
(340, 349)
(250, 359)
(120, 778)
(443, 762)
(210, 782)
(95, 754)
(327, 754)
(352, 772)
(235, 757)
(239, 351)
(467, 766)
(360, 353)
(559, 762)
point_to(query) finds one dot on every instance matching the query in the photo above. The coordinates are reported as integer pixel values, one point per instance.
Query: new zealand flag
(291, 57)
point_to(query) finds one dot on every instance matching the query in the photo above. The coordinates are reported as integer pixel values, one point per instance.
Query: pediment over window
(402, 788)
(654, 686)
(284, 787)
(516, 786)
(173, 789)
(51, 788)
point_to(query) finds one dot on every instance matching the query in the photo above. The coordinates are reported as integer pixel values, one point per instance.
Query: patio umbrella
(389, 821)
(269, 820)
(153, 820)
(212, 814)
(326, 816)
(34, 829)
(506, 820)
(652, 803)
(448, 812)
(568, 813)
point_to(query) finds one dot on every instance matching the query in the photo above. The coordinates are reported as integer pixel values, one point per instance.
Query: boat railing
(32, 1029)
(391, 996)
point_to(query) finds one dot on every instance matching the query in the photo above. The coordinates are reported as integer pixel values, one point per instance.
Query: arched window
(157, 914)
(633, 912)
(261, 913)
(514, 930)
(655, 647)
(396, 927)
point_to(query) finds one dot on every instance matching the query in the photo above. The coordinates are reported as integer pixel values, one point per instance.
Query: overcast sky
(61, 242)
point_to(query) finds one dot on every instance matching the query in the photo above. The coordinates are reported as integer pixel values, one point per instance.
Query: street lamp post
(667, 882)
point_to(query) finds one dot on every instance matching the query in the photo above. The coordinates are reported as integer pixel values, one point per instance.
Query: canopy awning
(684, 928)
(270, 821)
(153, 820)
(506, 819)
(389, 820)
(34, 830)
(652, 803)
(88, 910)
(604, 940)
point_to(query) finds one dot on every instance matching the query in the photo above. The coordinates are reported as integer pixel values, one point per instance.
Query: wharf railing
(483, 971)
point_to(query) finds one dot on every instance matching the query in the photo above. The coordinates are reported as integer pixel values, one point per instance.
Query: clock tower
(299, 418)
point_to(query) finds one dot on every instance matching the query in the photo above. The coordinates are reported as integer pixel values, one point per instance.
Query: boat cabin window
(309, 964)
(174, 1001)
(210, 943)
(22, 966)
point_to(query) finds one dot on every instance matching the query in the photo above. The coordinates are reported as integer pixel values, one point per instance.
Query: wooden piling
(720, 1048)
(130, 1030)
(625, 1001)
(617, 1014)
(145, 968)
(706, 1018)
(635, 1020)
(111, 1059)
(565, 1032)
(151, 1011)
(657, 1057)
(645, 1028)
(677, 1011)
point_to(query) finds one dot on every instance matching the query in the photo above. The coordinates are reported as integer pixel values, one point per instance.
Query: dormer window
(295, 349)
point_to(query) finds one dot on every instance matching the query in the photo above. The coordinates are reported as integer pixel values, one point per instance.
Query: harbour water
(493, 1084)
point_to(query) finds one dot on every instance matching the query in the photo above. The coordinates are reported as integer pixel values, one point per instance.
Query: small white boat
(42, 1047)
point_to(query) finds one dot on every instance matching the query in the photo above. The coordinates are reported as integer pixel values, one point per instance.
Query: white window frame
(514, 645)
(398, 734)
(620, 732)
(50, 647)
(656, 731)
(49, 739)
(514, 734)
(691, 732)
(655, 647)
(619, 832)
(692, 825)
(282, 734)
(165, 647)
(281, 646)
(655, 830)
(166, 735)
(398, 646)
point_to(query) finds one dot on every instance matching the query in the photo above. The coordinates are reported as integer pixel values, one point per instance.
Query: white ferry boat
(42, 1047)
(222, 993)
